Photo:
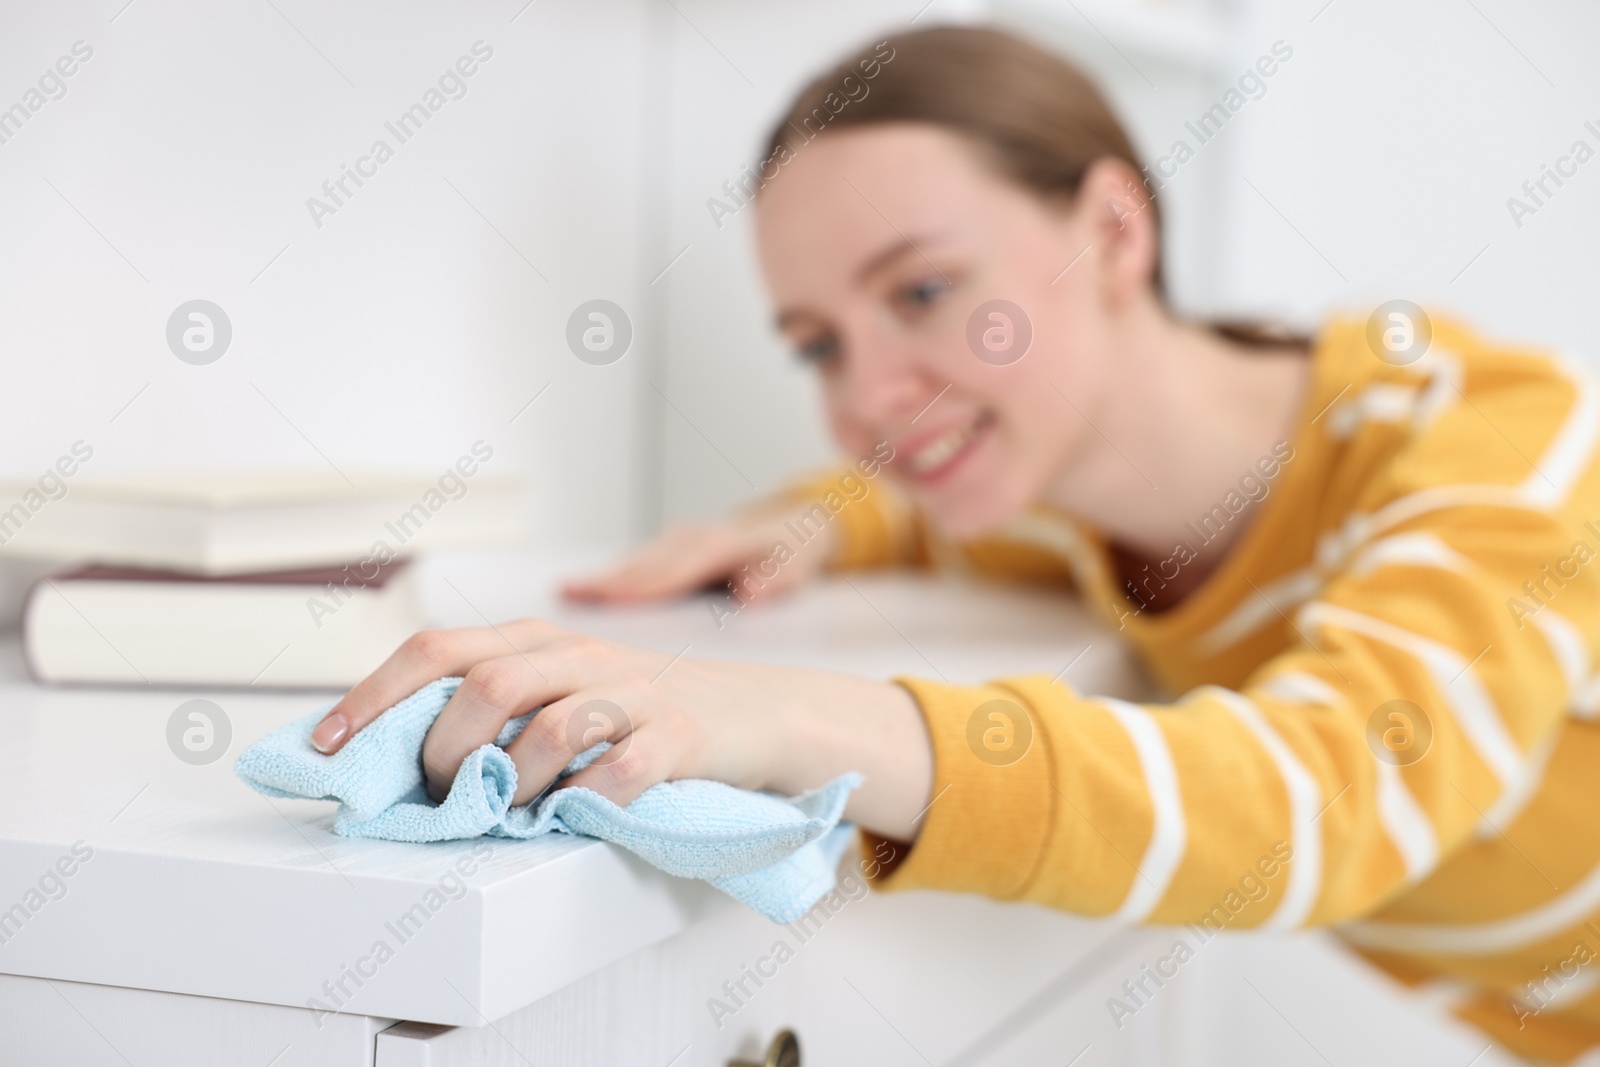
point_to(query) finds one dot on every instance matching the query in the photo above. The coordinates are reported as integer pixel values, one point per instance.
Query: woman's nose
(884, 386)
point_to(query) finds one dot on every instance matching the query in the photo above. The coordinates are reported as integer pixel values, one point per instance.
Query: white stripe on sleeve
(1305, 801)
(1486, 938)
(1298, 687)
(1504, 811)
(1169, 836)
(1572, 450)
(1417, 549)
(1407, 824)
(1568, 645)
(1458, 686)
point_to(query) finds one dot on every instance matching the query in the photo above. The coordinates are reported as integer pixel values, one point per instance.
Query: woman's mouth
(937, 459)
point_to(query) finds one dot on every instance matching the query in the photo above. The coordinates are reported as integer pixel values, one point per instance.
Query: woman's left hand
(758, 727)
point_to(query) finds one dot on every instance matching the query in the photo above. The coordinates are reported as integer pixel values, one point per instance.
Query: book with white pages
(325, 627)
(223, 523)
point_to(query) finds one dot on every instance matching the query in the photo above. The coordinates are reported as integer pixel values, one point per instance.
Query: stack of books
(288, 580)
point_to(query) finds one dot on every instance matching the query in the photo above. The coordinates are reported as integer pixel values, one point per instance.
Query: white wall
(1393, 145)
(398, 333)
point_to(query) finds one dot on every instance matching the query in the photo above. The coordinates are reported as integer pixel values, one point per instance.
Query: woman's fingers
(649, 755)
(648, 580)
(423, 657)
(492, 693)
(768, 579)
(682, 560)
(689, 557)
(574, 724)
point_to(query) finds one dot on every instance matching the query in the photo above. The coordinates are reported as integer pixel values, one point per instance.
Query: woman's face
(882, 247)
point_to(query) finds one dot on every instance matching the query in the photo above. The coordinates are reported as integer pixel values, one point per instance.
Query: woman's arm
(1343, 770)
(779, 728)
(841, 519)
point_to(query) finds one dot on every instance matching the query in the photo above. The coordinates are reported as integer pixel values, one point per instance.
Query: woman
(1361, 561)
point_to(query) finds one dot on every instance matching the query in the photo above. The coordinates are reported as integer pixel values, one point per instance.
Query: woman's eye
(923, 294)
(817, 350)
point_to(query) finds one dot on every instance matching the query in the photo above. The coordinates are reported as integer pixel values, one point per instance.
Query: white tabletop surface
(199, 885)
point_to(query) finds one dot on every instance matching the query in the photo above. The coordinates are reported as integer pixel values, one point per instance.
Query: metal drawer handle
(783, 1052)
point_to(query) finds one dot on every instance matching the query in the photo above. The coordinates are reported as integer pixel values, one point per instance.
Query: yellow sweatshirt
(1387, 718)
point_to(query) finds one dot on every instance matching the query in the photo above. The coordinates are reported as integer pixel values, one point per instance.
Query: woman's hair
(1030, 113)
(1033, 115)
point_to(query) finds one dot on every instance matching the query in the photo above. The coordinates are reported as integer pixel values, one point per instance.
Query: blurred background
(430, 309)
(432, 306)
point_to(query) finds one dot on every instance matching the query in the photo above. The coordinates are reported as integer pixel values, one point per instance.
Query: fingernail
(330, 732)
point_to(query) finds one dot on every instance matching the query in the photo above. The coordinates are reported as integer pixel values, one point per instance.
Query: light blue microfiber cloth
(776, 854)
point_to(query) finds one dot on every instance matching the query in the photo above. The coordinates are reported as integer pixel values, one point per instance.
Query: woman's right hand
(689, 557)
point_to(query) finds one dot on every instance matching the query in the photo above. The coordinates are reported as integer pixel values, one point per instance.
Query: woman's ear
(1119, 211)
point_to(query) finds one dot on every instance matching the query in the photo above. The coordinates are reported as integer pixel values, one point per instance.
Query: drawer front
(912, 978)
(51, 1023)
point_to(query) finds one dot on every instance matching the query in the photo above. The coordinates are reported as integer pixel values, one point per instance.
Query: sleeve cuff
(993, 803)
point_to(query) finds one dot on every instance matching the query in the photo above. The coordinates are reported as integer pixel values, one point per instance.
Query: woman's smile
(938, 457)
